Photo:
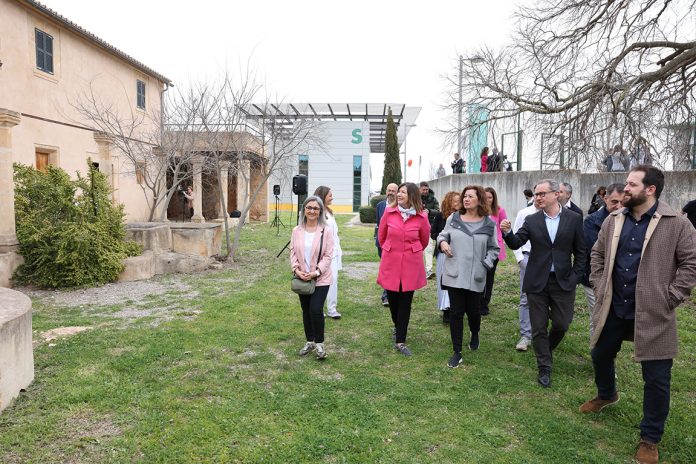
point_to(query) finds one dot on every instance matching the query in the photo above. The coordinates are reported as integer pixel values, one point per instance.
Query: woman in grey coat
(470, 244)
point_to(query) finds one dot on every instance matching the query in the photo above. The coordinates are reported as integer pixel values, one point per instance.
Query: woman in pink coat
(311, 251)
(498, 215)
(484, 159)
(404, 232)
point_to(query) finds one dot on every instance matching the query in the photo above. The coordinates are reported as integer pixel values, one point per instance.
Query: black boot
(445, 316)
(474, 343)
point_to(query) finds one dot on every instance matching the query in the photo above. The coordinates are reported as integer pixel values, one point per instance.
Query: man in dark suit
(565, 191)
(381, 206)
(555, 234)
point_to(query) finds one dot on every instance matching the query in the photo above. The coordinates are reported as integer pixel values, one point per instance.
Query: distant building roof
(375, 113)
(96, 40)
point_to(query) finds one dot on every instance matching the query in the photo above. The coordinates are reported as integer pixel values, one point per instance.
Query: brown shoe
(596, 404)
(647, 453)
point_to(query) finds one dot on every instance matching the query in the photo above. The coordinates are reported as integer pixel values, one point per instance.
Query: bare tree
(162, 160)
(283, 135)
(587, 69)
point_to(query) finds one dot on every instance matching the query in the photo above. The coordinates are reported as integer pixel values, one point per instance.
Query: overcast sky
(311, 51)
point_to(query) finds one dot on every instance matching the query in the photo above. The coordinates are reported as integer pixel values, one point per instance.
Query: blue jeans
(525, 323)
(657, 376)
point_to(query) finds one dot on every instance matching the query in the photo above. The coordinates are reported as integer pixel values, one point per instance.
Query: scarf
(406, 213)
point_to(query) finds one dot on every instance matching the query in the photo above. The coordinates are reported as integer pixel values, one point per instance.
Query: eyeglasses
(542, 194)
(312, 208)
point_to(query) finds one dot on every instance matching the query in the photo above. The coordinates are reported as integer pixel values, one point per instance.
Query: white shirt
(519, 220)
(337, 253)
(308, 242)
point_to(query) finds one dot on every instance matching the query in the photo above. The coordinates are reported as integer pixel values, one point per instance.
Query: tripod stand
(298, 222)
(277, 222)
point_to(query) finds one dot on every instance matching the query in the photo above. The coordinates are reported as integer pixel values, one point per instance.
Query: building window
(42, 161)
(140, 172)
(44, 51)
(357, 182)
(141, 94)
(303, 168)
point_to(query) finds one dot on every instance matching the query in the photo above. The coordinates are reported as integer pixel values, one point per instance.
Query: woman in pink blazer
(404, 232)
(498, 215)
(311, 250)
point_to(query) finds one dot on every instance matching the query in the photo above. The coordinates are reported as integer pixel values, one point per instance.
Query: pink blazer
(402, 250)
(297, 249)
(501, 243)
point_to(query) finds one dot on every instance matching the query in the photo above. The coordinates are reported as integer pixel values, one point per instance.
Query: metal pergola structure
(375, 113)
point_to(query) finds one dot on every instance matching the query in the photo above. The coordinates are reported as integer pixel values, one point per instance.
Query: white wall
(331, 164)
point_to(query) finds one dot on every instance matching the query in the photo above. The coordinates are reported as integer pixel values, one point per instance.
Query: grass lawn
(208, 371)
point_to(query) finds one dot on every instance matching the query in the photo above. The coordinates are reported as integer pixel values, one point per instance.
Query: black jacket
(576, 208)
(569, 241)
(435, 229)
(431, 204)
(591, 226)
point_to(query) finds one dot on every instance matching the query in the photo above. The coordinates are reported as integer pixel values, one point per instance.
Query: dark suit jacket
(381, 206)
(569, 241)
(576, 208)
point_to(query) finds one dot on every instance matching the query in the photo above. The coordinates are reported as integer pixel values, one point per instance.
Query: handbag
(306, 287)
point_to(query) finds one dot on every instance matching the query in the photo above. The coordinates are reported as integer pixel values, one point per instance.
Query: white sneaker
(321, 354)
(523, 344)
(334, 315)
(307, 348)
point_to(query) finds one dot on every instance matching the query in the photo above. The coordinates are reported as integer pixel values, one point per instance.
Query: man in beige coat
(643, 266)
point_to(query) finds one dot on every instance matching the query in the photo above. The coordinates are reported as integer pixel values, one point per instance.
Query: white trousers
(332, 297)
(428, 253)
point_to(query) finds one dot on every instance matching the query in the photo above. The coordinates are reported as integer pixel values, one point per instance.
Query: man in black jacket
(555, 234)
(565, 191)
(591, 226)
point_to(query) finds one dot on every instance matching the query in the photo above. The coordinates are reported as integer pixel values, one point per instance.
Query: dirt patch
(361, 270)
(53, 334)
(111, 294)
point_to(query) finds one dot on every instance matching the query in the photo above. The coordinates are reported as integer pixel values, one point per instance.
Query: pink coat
(297, 253)
(402, 250)
(501, 243)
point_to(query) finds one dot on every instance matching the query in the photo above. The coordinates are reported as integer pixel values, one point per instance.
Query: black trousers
(463, 302)
(313, 313)
(555, 304)
(657, 376)
(488, 291)
(400, 308)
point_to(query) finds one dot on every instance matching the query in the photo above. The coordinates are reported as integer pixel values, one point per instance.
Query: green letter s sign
(357, 136)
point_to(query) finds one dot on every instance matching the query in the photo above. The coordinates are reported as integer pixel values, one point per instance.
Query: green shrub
(69, 232)
(376, 199)
(368, 215)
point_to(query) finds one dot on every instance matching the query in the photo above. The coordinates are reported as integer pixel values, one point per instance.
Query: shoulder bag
(306, 287)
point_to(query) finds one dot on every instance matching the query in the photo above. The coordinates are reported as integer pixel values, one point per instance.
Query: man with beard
(613, 196)
(642, 267)
(381, 206)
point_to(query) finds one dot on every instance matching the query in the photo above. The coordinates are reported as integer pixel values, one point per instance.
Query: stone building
(46, 63)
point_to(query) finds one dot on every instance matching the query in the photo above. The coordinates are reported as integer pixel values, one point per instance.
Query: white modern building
(347, 135)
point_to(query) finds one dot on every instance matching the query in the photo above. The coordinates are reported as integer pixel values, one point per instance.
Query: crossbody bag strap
(321, 244)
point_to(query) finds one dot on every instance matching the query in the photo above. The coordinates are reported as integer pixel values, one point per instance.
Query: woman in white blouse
(324, 193)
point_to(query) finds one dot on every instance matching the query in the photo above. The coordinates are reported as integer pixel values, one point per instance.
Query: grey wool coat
(472, 254)
(666, 275)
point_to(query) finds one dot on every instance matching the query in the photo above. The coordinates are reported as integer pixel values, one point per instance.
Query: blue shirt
(627, 261)
(552, 227)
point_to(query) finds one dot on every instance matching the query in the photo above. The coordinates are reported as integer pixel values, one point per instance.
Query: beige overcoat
(666, 275)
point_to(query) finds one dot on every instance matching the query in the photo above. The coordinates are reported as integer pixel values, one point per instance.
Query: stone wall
(680, 186)
(16, 355)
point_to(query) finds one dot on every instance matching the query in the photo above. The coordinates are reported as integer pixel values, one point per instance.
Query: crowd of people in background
(633, 255)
